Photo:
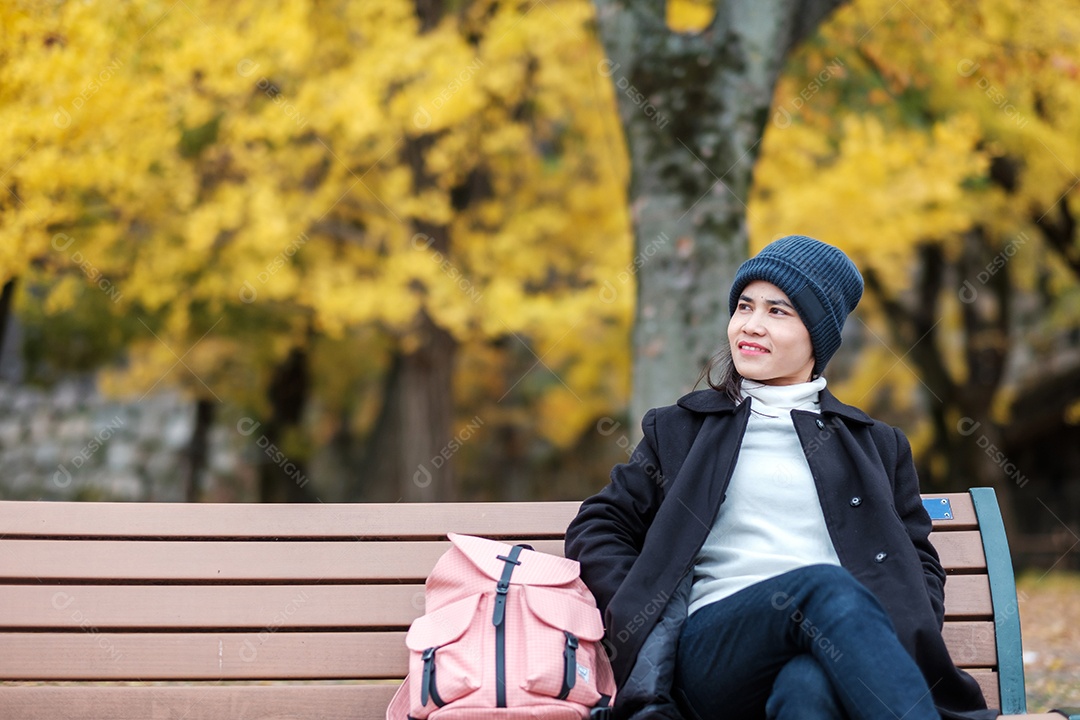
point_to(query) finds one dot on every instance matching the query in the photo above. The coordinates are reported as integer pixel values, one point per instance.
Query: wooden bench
(154, 611)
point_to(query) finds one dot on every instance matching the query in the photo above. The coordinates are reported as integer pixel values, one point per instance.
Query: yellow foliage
(266, 167)
(881, 141)
(687, 16)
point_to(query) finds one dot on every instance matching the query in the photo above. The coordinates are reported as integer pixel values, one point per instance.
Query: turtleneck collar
(800, 396)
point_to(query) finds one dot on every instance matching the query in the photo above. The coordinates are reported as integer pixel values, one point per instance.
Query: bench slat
(988, 681)
(60, 607)
(971, 643)
(356, 521)
(224, 561)
(960, 551)
(209, 606)
(203, 656)
(327, 702)
(968, 597)
(270, 655)
(296, 561)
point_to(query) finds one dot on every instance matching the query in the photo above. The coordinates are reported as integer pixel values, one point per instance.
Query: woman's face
(769, 342)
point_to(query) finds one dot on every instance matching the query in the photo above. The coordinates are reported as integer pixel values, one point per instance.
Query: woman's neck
(801, 396)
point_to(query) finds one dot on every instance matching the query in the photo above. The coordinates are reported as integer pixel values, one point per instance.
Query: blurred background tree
(695, 81)
(353, 203)
(387, 246)
(941, 147)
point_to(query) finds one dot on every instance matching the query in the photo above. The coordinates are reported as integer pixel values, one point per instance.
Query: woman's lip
(752, 349)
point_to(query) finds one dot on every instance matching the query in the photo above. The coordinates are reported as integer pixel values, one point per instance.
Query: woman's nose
(754, 324)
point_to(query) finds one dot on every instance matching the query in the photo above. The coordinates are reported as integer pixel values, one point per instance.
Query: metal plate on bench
(939, 508)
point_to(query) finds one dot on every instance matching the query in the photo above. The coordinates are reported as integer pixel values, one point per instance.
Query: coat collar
(714, 401)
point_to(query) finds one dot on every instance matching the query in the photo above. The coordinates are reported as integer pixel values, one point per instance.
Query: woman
(765, 552)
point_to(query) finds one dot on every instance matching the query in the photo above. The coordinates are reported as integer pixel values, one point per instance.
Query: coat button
(880, 557)
(821, 425)
(856, 501)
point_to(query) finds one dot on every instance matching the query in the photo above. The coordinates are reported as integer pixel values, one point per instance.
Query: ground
(1050, 624)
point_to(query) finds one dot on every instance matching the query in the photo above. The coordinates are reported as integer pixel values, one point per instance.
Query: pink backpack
(509, 633)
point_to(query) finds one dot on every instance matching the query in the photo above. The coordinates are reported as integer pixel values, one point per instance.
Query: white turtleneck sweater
(771, 520)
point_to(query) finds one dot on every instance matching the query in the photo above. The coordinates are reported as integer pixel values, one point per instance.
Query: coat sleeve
(909, 507)
(608, 532)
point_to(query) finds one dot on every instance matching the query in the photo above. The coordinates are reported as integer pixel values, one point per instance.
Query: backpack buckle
(601, 713)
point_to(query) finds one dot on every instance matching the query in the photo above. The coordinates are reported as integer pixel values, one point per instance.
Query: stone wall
(69, 442)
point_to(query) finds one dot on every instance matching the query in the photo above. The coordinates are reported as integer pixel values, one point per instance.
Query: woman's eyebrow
(769, 301)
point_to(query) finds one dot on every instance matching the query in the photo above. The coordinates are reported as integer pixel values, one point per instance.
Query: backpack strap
(602, 710)
(498, 619)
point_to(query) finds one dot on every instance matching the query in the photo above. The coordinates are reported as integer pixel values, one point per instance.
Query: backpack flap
(564, 612)
(536, 568)
(442, 626)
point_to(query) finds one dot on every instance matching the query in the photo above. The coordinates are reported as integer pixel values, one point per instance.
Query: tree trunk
(986, 318)
(966, 438)
(283, 476)
(7, 302)
(197, 448)
(380, 466)
(424, 392)
(426, 416)
(407, 456)
(1060, 234)
(694, 109)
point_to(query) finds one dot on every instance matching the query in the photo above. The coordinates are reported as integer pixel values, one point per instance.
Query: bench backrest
(176, 610)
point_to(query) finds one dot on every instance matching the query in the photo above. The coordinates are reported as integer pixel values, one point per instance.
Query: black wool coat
(638, 538)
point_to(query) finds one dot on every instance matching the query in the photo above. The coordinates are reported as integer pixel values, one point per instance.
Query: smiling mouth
(747, 347)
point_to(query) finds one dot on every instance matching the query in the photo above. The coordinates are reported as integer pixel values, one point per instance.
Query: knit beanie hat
(821, 281)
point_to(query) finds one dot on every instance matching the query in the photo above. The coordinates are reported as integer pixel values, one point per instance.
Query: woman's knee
(834, 591)
(802, 689)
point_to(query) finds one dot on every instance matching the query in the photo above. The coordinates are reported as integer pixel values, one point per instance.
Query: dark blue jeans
(811, 643)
